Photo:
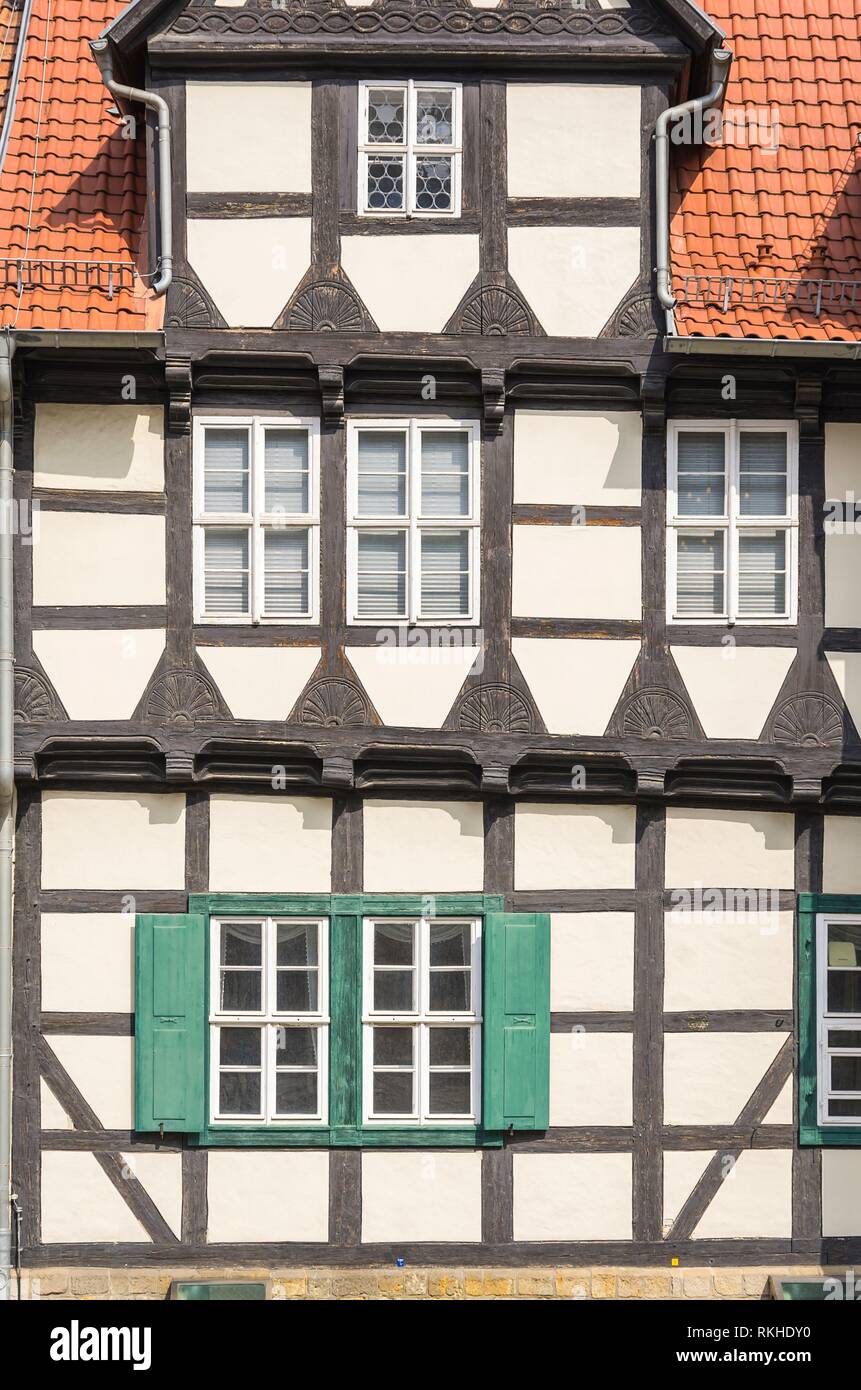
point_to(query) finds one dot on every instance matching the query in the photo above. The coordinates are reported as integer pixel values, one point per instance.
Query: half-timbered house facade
(437, 642)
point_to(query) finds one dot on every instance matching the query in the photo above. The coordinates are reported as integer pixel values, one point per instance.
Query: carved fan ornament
(327, 307)
(333, 703)
(493, 312)
(655, 714)
(182, 697)
(494, 709)
(34, 698)
(814, 721)
(189, 306)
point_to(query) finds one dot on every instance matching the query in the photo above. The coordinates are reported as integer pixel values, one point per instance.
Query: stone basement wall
(426, 1284)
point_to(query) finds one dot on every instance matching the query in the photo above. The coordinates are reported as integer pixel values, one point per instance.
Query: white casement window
(421, 1020)
(838, 993)
(414, 540)
(269, 1022)
(256, 520)
(410, 148)
(732, 522)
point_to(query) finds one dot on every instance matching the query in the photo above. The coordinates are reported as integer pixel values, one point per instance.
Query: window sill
(347, 1137)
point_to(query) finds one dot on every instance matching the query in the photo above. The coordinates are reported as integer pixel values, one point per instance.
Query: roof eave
(761, 347)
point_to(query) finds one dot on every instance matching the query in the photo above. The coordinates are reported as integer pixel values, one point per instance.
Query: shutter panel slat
(516, 1021)
(170, 1022)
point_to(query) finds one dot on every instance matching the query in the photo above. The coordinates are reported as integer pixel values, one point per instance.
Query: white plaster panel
(841, 1185)
(270, 844)
(709, 1077)
(413, 687)
(683, 1169)
(727, 960)
(572, 140)
(842, 461)
(556, 569)
(98, 558)
(574, 277)
(575, 681)
(275, 1195)
(250, 266)
(260, 682)
(103, 448)
(81, 1204)
(421, 1196)
(53, 1116)
(423, 846)
(842, 591)
(566, 457)
(102, 1069)
(160, 1174)
(122, 840)
(846, 669)
(248, 137)
(591, 961)
(99, 673)
(411, 284)
(841, 866)
(572, 1196)
(87, 962)
(720, 848)
(754, 1200)
(780, 1113)
(591, 1078)
(733, 688)
(560, 846)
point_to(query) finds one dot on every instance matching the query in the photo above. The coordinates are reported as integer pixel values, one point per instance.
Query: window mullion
(731, 556)
(413, 507)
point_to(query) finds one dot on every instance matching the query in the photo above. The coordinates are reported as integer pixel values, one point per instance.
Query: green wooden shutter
(516, 1027)
(170, 1022)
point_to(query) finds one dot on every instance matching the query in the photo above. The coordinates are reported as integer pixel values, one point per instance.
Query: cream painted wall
(574, 277)
(260, 682)
(250, 266)
(102, 1068)
(709, 1077)
(841, 1184)
(591, 1078)
(81, 1204)
(842, 591)
(754, 1200)
(555, 569)
(727, 960)
(99, 673)
(429, 1196)
(87, 962)
(733, 688)
(719, 848)
(576, 681)
(558, 846)
(411, 284)
(104, 448)
(423, 846)
(52, 1114)
(568, 457)
(99, 558)
(415, 687)
(268, 1195)
(846, 669)
(591, 961)
(580, 1196)
(842, 461)
(122, 840)
(270, 844)
(161, 1175)
(841, 871)
(248, 137)
(573, 140)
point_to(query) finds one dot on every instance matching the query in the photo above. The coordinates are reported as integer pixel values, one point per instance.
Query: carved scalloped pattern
(326, 307)
(189, 306)
(494, 709)
(495, 313)
(809, 719)
(334, 703)
(427, 18)
(655, 714)
(34, 698)
(182, 697)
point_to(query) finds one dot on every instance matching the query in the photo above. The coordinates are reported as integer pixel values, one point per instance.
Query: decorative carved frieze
(418, 16)
(182, 697)
(653, 713)
(809, 719)
(333, 703)
(34, 697)
(494, 709)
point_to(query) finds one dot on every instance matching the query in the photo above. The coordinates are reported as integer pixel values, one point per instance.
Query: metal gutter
(7, 792)
(82, 337)
(9, 115)
(760, 347)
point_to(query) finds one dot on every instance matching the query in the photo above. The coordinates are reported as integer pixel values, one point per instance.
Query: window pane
(450, 943)
(844, 1037)
(449, 1047)
(445, 573)
(393, 991)
(382, 580)
(296, 1093)
(433, 185)
(286, 476)
(762, 574)
(449, 1093)
(844, 943)
(846, 1073)
(844, 1109)
(762, 481)
(386, 184)
(449, 991)
(296, 1047)
(239, 1047)
(701, 473)
(844, 991)
(239, 1093)
(386, 108)
(225, 470)
(241, 943)
(296, 991)
(241, 991)
(226, 587)
(700, 575)
(382, 473)
(434, 116)
(394, 943)
(286, 572)
(296, 943)
(393, 1047)
(445, 473)
(393, 1093)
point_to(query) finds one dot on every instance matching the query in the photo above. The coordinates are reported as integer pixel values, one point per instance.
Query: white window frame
(413, 522)
(411, 149)
(827, 1021)
(422, 1019)
(257, 521)
(732, 523)
(269, 1019)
